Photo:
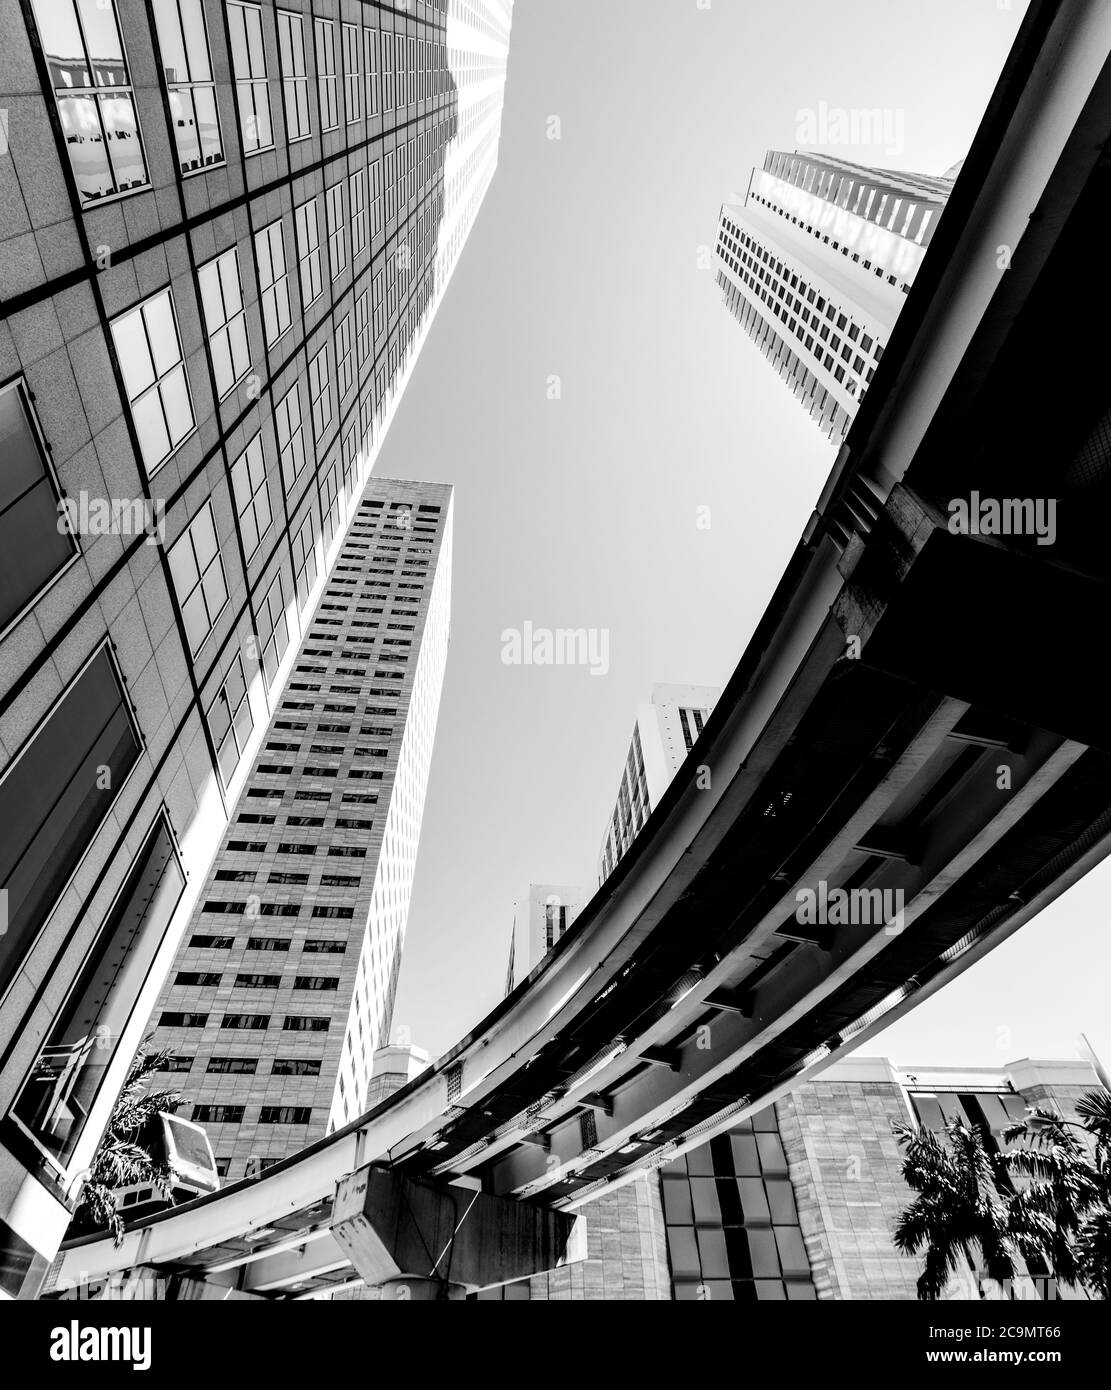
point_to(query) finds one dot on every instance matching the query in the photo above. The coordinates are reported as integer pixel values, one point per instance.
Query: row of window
(95, 96)
(292, 1023)
(243, 1066)
(267, 1115)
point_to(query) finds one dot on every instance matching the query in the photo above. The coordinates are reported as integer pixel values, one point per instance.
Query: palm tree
(121, 1158)
(1064, 1206)
(958, 1211)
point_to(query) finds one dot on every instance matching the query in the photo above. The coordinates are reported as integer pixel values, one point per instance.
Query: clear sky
(583, 511)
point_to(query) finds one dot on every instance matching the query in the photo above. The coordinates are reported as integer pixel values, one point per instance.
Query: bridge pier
(415, 1238)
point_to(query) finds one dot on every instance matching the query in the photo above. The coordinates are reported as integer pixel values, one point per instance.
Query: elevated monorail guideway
(912, 758)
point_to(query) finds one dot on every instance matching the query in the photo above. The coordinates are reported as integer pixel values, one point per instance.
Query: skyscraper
(284, 986)
(664, 733)
(815, 262)
(229, 226)
(539, 920)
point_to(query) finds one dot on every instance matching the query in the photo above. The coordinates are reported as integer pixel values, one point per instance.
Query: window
(252, 495)
(362, 329)
(337, 249)
(356, 192)
(304, 561)
(198, 575)
(300, 1024)
(387, 71)
(232, 1066)
(197, 977)
(217, 1114)
(34, 547)
(188, 72)
(248, 1021)
(53, 797)
(315, 982)
(291, 441)
(172, 1019)
(344, 366)
(320, 393)
(389, 174)
(308, 252)
(149, 351)
(285, 1114)
(225, 320)
(295, 1066)
(274, 279)
(295, 82)
(370, 48)
(230, 721)
(352, 78)
(379, 307)
(326, 73)
(252, 90)
(329, 503)
(376, 197)
(92, 87)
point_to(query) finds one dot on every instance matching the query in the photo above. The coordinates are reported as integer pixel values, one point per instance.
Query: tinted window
(32, 548)
(53, 798)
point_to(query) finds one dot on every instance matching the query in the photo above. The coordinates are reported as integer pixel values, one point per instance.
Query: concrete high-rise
(228, 228)
(284, 986)
(539, 920)
(815, 262)
(664, 732)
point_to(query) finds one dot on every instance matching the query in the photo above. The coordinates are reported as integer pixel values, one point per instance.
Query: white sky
(582, 512)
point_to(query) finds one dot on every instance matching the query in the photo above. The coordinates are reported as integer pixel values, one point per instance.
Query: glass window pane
(762, 1250)
(781, 1200)
(684, 1251)
(705, 1198)
(677, 1202)
(771, 1152)
(746, 1163)
(711, 1249)
(162, 332)
(792, 1251)
(122, 133)
(753, 1200)
(150, 425)
(175, 401)
(131, 347)
(99, 23)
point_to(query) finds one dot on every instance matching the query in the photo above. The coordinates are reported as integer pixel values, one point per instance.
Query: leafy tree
(958, 1212)
(1064, 1202)
(967, 1205)
(121, 1158)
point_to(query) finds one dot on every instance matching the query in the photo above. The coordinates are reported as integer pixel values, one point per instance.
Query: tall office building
(284, 986)
(664, 733)
(815, 262)
(228, 226)
(539, 920)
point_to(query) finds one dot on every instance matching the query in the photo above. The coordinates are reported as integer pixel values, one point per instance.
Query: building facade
(229, 227)
(815, 262)
(799, 1201)
(539, 920)
(665, 731)
(284, 986)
